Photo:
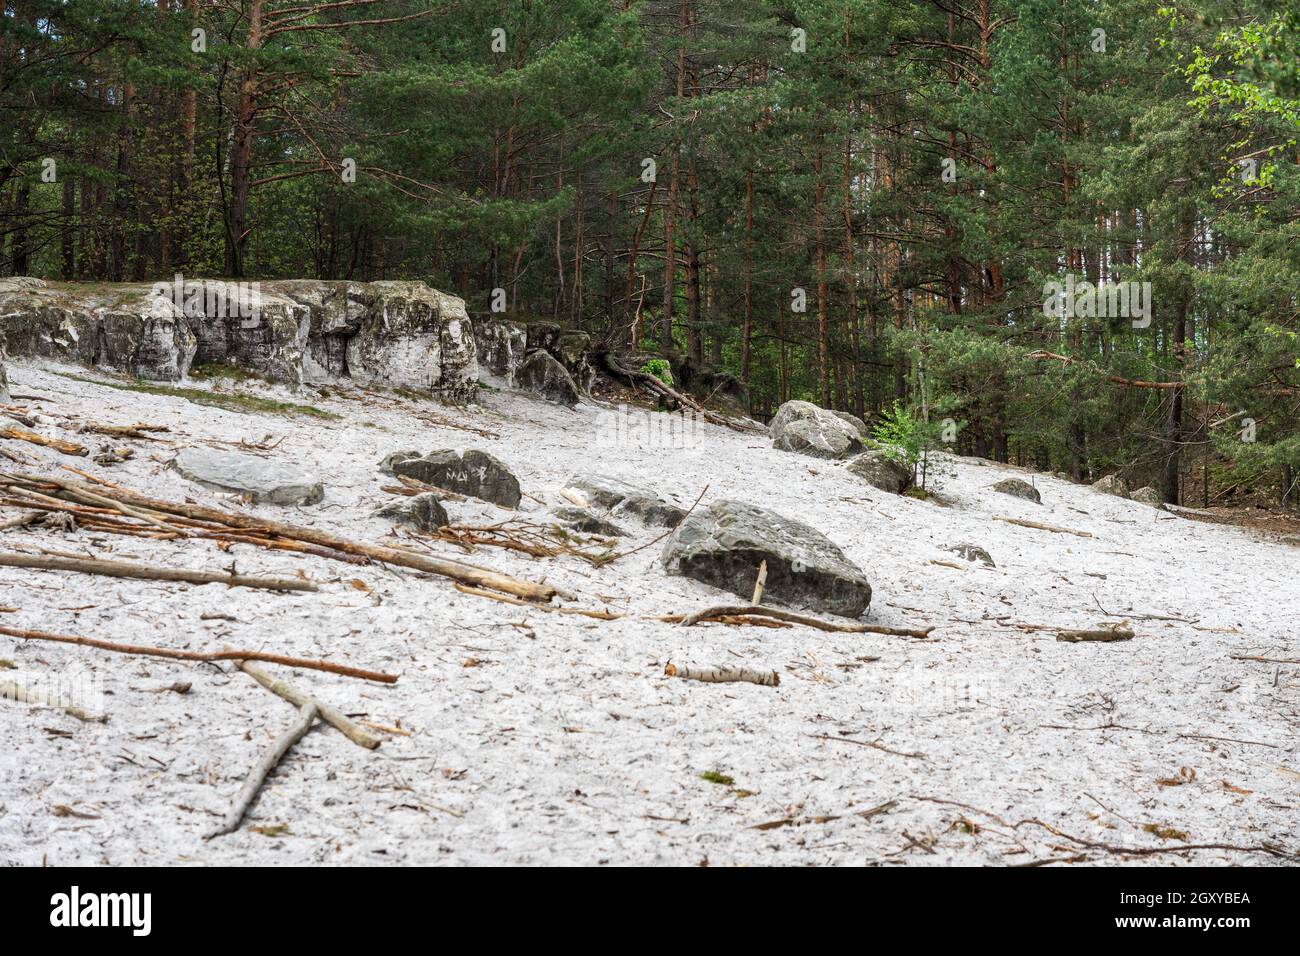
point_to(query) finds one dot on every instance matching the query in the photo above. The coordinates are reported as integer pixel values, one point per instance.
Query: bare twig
(258, 774)
(167, 652)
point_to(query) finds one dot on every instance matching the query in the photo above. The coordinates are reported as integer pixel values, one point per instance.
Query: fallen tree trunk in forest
(615, 367)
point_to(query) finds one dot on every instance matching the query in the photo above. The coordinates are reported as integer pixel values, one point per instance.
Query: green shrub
(660, 369)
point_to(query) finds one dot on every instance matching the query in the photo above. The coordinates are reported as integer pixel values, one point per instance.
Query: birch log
(723, 674)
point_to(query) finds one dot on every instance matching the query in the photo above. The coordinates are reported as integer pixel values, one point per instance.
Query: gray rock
(572, 349)
(476, 473)
(971, 552)
(580, 519)
(1019, 488)
(543, 374)
(500, 344)
(879, 470)
(804, 428)
(261, 480)
(422, 512)
(124, 327)
(856, 422)
(1149, 496)
(400, 334)
(389, 461)
(542, 336)
(1112, 485)
(623, 498)
(724, 545)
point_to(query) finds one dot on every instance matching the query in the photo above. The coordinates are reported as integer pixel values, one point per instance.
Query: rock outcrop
(724, 545)
(543, 375)
(505, 345)
(126, 328)
(476, 473)
(1019, 488)
(880, 471)
(809, 430)
(397, 334)
(620, 497)
(259, 480)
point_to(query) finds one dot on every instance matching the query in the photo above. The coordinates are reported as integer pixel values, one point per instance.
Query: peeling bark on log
(723, 674)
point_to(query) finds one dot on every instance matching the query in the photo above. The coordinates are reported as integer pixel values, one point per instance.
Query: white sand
(566, 744)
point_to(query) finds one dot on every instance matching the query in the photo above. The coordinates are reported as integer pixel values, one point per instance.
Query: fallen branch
(1043, 527)
(262, 769)
(722, 674)
(868, 743)
(149, 572)
(507, 599)
(1104, 635)
(137, 431)
(1265, 660)
(623, 554)
(26, 695)
(293, 695)
(752, 610)
(154, 510)
(414, 486)
(67, 447)
(171, 654)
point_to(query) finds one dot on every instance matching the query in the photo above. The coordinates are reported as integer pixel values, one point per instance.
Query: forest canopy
(1067, 227)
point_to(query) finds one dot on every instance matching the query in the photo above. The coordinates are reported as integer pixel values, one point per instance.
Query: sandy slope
(565, 744)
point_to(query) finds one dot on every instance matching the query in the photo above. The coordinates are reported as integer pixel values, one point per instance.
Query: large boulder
(724, 545)
(542, 374)
(1149, 496)
(123, 327)
(623, 498)
(809, 430)
(422, 512)
(476, 473)
(259, 480)
(1112, 485)
(1019, 488)
(880, 471)
(858, 424)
